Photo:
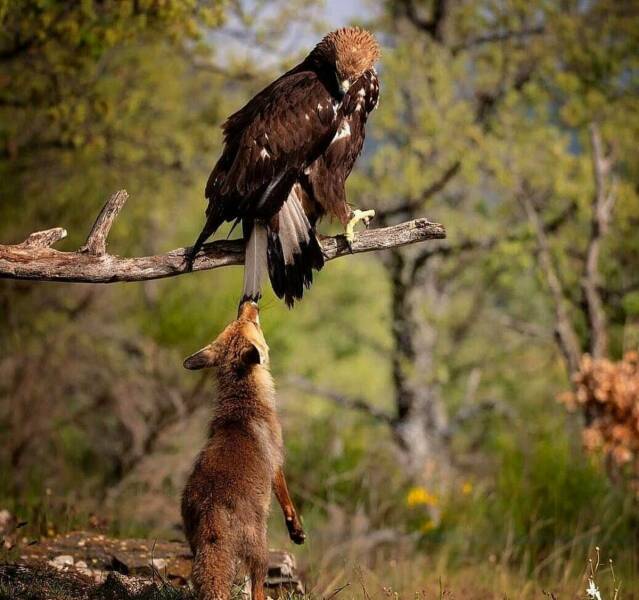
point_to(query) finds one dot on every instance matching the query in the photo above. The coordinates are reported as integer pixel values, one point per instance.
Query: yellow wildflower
(419, 495)
(467, 488)
(427, 526)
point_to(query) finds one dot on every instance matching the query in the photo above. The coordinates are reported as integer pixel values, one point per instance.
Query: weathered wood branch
(35, 260)
(96, 242)
(44, 239)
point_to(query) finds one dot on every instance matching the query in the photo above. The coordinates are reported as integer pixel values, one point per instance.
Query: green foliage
(97, 96)
(64, 95)
(548, 506)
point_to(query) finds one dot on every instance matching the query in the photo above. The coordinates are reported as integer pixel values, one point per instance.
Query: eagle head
(350, 51)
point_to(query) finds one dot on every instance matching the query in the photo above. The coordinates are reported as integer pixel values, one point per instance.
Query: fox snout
(241, 344)
(249, 311)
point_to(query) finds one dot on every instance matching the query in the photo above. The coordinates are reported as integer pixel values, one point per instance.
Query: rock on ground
(82, 565)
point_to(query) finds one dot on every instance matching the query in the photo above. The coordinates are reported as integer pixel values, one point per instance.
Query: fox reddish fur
(227, 498)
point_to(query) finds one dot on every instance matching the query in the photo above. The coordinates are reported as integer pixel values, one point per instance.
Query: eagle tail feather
(255, 263)
(293, 250)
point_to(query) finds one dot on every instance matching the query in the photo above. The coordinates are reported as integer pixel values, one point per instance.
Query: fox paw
(295, 531)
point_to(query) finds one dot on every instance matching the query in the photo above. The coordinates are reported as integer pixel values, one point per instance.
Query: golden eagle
(286, 157)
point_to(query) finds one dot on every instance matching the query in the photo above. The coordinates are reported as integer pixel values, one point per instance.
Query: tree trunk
(421, 424)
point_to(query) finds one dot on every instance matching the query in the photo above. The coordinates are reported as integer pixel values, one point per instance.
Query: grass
(523, 529)
(364, 584)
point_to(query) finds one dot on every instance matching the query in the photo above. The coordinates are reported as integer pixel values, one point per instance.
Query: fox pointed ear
(251, 355)
(201, 359)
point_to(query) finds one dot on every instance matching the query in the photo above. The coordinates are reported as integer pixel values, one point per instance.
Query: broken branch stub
(35, 260)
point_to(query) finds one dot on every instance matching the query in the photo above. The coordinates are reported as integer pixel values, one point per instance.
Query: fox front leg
(293, 523)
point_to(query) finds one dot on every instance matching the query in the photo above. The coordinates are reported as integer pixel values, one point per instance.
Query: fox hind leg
(257, 564)
(258, 579)
(213, 572)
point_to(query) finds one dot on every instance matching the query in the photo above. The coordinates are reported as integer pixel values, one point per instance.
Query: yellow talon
(357, 216)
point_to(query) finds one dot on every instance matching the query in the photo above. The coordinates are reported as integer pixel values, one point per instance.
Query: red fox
(226, 500)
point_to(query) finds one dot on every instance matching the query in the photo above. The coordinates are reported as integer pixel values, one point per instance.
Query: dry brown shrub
(608, 394)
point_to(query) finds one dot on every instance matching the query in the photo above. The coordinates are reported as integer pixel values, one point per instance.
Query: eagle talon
(349, 236)
(189, 259)
(356, 216)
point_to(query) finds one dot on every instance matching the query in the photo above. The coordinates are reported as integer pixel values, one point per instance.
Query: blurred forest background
(440, 420)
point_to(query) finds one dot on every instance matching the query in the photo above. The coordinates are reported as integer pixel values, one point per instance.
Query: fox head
(240, 346)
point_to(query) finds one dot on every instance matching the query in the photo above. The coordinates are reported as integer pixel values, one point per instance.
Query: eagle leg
(213, 221)
(190, 254)
(356, 216)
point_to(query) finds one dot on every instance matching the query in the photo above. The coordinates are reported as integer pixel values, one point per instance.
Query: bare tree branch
(351, 402)
(44, 239)
(96, 242)
(433, 26)
(566, 336)
(35, 260)
(615, 295)
(422, 258)
(409, 206)
(602, 203)
(498, 36)
(447, 249)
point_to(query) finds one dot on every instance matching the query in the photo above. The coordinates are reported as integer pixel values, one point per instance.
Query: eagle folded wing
(327, 176)
(267, 145)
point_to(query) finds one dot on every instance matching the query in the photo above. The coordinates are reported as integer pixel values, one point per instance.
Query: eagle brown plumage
(286, 157)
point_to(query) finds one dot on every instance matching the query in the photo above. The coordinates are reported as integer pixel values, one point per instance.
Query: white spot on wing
(344, 131)
(307, 117)
(264, 154)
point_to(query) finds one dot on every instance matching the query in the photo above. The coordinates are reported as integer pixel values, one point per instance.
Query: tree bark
(420, 425)
(602, 203)
(565, 333)
(35, 260)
